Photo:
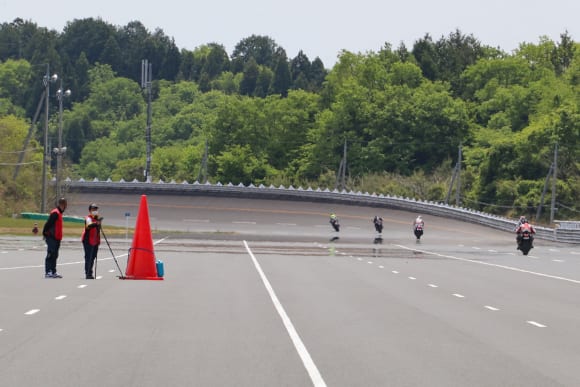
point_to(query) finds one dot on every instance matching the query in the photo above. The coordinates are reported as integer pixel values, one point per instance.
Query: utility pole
(539, 212)
(554, 177)
(343, 179)
(458, 190)
(46, 155)
(146, 76)
(203, 169)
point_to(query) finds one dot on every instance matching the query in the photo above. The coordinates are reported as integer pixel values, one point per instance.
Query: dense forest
(394, 121)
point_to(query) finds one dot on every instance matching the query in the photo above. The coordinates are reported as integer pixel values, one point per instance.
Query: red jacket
(53, 226)
(91, 232)
(525, 227)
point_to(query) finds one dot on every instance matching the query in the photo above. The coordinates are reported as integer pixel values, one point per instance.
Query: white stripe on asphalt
(491, 308)
(458, 295)
(32, 311)
(536, 324)
(491, 264)
(315, 376)
(60, 297)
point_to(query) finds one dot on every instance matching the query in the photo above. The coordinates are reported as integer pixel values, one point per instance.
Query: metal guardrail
(560, 234)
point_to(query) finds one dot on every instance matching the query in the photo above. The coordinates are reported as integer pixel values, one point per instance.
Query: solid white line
(60, 297)
(492, 264)
(315, 376)
(458, 295)
(491, 308)
(32, 311)
(536, 324)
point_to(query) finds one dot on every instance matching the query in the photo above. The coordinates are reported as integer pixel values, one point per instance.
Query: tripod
(113, 254)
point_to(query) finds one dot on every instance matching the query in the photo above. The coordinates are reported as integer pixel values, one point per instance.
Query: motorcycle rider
(524, 226)
(378, 222)
(418, 223)
(334, 222)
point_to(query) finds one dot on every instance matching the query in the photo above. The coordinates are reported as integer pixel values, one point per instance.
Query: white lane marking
(370, 262)
(458, 295)
(574, 252)
(286, 224)
(73, 263)
(99, 277)
(412, 278)
(536, 324)
(558, 260)
(533, 257)
(241, 222)
(32, 311)
(112, 271)
(1, 329)
(196, 220)
(381, 267)
(20, 249)
(492, 251)
(475, 248)
(491, 308)
(82, 286)
(433, 286)
(4, 252)
(395, 272)
(492, 264)
(554, 250)
(359, 259)
(315, 376)
(60, 297)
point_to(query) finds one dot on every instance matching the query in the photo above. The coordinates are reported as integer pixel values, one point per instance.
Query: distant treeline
(256, 116)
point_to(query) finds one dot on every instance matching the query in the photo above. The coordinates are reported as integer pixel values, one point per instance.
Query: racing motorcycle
(418, 231)
(526, 242)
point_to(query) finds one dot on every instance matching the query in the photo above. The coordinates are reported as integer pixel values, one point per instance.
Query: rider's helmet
(332, 216)
(523, 220)
(93, 206)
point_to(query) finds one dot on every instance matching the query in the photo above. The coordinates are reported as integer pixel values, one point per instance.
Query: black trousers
(52, 247)
(90, 256)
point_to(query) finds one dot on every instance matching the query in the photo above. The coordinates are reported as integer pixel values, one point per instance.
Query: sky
(320, 28)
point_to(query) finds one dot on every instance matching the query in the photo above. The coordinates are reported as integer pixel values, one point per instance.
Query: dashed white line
(558, 260)
(491, 264)
(196, 220)
(32, 311)
(381, 267)
(241, 222)
(491, 308)
(370, 262)
(433, 286)
(286, 224)
(60, 297)
(359, 259)
(492, 251)
(536, 324)
(395, 272)
(458, 295)
(412, 278)
(476, 248)
(82, 286)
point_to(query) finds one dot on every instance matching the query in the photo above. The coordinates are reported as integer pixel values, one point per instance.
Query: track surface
(256, 294)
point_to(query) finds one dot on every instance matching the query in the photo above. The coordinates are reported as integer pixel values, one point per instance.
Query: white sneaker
(56, 275)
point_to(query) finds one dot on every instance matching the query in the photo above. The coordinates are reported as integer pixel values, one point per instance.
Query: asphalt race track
(256, 294)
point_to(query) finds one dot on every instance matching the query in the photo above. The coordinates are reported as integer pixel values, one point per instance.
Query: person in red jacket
(91, 239)
(52, 232)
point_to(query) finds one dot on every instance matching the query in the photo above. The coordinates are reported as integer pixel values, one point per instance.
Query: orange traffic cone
(142, 263)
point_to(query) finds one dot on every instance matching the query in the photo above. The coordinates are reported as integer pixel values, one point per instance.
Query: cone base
(143, 278)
